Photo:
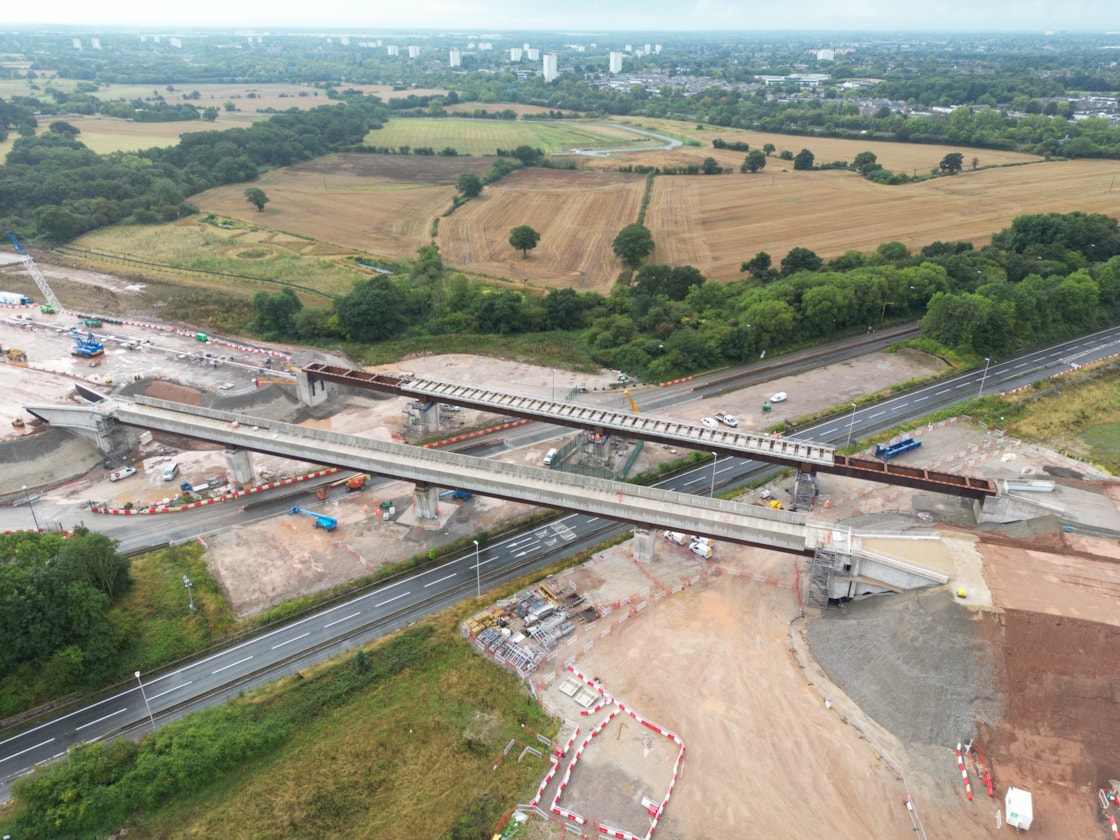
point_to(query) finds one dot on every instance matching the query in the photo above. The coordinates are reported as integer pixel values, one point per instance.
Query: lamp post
(34, 518)
(712, 492)
(851, 423)
(187, 583)
(987, 361)
(147, 705)
(554, 384)
(477, 569)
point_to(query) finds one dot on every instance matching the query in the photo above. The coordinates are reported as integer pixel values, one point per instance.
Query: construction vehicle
(354, 484)
(327, 523)
(1110, 798)
(18, 423)
(630, 399)
(457, 495)
(14, 354)
(47, 309)
(14, 299)
(91, 323)
(36, 275)
(87, 347)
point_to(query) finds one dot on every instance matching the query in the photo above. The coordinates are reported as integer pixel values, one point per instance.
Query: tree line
(55, 188)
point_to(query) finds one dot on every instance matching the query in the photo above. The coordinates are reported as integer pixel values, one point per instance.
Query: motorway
(331, 631)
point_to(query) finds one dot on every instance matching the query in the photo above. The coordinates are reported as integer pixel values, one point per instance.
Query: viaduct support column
(644, 539)
(429, 417)
(240, 464)
(427, 501)
(311, 391)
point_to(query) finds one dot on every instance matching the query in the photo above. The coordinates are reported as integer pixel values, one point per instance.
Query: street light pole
(147, 705)
(34, 518)
(554, 384)
(187, 583)
(712, 492)
(987, 361)
(851, 423)
(477, 569)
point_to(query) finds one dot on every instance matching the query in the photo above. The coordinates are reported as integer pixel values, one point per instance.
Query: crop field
(716, 222)
(495, 107)
(577, 215)
(376, 204)
(484, 137)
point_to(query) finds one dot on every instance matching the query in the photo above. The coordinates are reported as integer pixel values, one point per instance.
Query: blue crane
(327, 523)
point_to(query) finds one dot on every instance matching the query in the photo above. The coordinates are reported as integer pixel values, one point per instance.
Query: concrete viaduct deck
(803, 455)
(431, 469)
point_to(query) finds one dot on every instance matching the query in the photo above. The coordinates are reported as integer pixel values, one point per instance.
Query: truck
(14, 299)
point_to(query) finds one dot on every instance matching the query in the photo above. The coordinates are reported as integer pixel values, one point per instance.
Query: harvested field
(577, 215)
(715, 222)
(497, 107)
(338, 200)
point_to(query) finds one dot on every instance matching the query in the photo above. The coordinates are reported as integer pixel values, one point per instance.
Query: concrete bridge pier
(644, 539)
(240, 465)
(429, 417)
(311, 391)
(427, 501)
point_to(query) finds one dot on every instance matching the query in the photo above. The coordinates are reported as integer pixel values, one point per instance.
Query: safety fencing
(479, 433)
(1058, 375)
(226, 497)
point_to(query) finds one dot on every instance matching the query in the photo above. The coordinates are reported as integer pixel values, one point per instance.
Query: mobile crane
(37, 276)
(633, 405)
(327, 523)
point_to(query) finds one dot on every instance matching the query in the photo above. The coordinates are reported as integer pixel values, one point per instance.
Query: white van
(170, 471)
(549, 456)
(701, 550)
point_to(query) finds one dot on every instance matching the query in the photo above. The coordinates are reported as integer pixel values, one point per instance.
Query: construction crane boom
(36, 274)
(630, 400)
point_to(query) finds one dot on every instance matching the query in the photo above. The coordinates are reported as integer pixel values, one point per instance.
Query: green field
(483, 137)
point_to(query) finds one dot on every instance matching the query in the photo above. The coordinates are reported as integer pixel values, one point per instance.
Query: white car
(123, 472)
(709, 422)
(226, 386)
(781, 396)
(727, 420)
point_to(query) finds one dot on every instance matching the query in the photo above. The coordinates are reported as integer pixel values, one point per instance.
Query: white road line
(391, 600)
(295, 639)
(340, 620)
(964, 385)
(29, 749)
(880, 414)
(1024, 364)
(919, 399)
(230, 665)
(106, 717)
(176, 688)
(903, 405)
(943, 391)
(441, 580)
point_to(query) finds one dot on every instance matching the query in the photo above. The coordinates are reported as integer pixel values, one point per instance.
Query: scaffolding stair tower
(826, 563)
(36, 274)
(805, 490)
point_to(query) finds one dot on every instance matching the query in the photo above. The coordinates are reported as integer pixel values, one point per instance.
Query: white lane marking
(1024, 364)
(919, 399)
(105, 717)
(340, 620)
(295, 639)
(880, 414)
(29, 749)
(943, 391)
(230, 665)
(176, 688)
(441, 580)
(391, 600)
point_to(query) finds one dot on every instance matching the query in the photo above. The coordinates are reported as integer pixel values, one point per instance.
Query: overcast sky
(582, 15)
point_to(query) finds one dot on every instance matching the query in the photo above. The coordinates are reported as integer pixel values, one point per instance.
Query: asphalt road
(279, 652)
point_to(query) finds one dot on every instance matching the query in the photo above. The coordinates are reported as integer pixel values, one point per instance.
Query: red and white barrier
(964, 774)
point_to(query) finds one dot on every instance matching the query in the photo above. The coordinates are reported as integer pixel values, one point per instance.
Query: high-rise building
(533, 54)
(514, 55)
(550, 71)
(413, 52)
(616, 62)
(393, 50)
(456, 58)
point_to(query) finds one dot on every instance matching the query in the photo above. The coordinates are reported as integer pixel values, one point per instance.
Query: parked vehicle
(123, 472)
(676, 537)
(552, 453)
(727, 419)
(709, 423)
(14, 299)
(701, 550)
(170, 471)
(781, 396)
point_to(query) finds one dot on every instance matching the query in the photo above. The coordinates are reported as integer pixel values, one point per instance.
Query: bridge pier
(240, 464)
(429, 417)
(644, 539)
(311, 391)
(427, 501)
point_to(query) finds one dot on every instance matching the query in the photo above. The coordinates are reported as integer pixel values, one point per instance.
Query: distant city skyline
(586, 15)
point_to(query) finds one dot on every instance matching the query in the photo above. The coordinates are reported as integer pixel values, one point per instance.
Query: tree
(952, 163)
(274, 315)
(256, 196)
(469, 184)
(710, 166)
(63, 127)
(755, 161)
(865, 162)
(800, 259)
(759, 267)
(633, 244)
(769, 149)
(804, 160)
(524, 238)
(210, 114)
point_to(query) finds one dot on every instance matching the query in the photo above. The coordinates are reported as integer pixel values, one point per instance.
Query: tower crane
(36, 274)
